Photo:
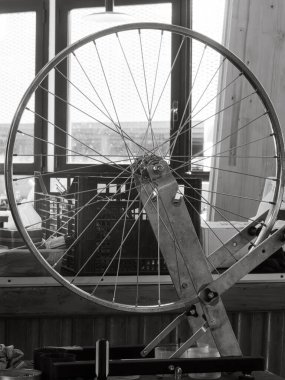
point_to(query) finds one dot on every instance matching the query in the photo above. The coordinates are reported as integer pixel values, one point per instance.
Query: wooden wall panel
(256, 33)
(55, 331)
(2, 330)
(259, 333)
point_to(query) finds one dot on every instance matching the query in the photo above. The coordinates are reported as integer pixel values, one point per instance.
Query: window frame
(181, 15)
(41, 8)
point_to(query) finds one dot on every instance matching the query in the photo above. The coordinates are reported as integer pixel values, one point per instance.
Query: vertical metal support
(109, 5)
(102, 359)
(181, 248)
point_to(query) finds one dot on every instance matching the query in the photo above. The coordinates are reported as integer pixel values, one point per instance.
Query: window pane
(120, 90)
(208, 19)
(17, 69)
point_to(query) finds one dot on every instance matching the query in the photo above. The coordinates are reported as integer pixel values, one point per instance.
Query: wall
(51, 315)
(255, 32)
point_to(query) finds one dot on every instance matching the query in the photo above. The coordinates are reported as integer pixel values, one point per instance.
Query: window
(23, 44)
(204, 13)
(76, 20)
(120, 90)
(16, 28)
(80, 120)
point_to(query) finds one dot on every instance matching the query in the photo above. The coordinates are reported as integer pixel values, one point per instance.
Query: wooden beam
(57, 301)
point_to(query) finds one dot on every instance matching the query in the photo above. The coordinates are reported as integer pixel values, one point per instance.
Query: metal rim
(44, 72)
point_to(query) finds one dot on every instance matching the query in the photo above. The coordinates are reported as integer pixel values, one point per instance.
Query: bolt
(211, 295)
(177, 199)
(158, 168)
(184, 285)
(154, 195)
(171, 367)
(234, 244)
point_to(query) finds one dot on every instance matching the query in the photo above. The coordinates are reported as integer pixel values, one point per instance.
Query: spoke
(97, 198)
(138, 253)
(158, 254)
(67, 149)
(216, 113)
(197, 212)
(57, 232)
(79, 168)
(149, 126)
(102, 241)
(233, 171)
(195, 161)
(235, 147)
(238, 156)
(92, 85)
(218, 93)
(85, 96)
(156, 72)
(72, 155)
(168, 76)
(201, 109)
(76, 139)
(171, 146)
(211, 80)
(121, 245)
(131, 73)
(201, 153)
(230, 195)
(114, 256)
(91, 117)
(144, 72)
(92, 201)
(210, 205)
(208, 118)
(247, 219)
(112, 101)
(85, 229)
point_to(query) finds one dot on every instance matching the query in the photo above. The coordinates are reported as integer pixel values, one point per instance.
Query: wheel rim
(143, 148)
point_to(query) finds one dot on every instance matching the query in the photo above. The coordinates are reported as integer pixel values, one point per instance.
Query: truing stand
(194, 284)
(186, 262)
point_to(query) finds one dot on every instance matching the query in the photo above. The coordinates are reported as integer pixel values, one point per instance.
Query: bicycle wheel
(135, 185)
